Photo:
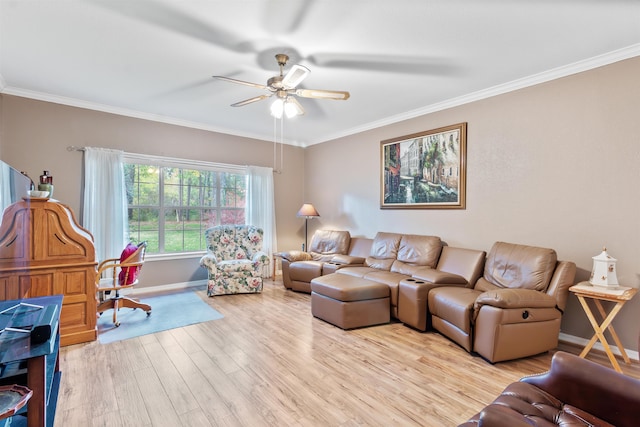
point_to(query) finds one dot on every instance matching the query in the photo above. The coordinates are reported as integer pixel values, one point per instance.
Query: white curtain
(104, 211)
(5, 187)
(260, 208)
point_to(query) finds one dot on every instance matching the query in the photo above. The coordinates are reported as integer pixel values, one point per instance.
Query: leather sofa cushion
(418, 250)
(356, 271)
(518, 266)
(468, 263)
(360, 247)
(453, 304)
(409, 269)
(329, 242)
(379, 264)
(384, 250)
(305, 271)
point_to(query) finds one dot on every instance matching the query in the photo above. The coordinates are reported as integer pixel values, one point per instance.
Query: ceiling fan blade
(323, 94)
(285, 20)
(173, 19)
(240, 82)
(385, 63)
(295, 76)
(250, 100)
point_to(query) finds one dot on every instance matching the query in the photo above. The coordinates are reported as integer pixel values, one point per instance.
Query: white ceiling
(398, 58)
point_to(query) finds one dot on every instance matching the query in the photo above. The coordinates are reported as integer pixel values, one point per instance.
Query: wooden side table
(620, 296)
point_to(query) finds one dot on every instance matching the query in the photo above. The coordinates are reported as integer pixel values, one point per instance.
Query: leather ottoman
(350, 302)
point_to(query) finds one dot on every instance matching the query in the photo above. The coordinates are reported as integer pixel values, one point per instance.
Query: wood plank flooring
(270, 363)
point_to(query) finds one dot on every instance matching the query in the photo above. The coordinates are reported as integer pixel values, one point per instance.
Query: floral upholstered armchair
(234, 259)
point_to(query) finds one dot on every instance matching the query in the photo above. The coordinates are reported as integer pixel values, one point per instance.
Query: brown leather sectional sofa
(574, 392)
(503, 305)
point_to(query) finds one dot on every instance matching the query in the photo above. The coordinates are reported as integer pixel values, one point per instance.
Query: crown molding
(546, 76)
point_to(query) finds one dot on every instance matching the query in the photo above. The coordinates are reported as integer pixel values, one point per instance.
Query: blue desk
(34, 365)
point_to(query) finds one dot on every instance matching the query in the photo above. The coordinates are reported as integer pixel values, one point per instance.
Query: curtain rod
(133, 155)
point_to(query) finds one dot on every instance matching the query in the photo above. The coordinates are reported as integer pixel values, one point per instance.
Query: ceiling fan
(284, 87)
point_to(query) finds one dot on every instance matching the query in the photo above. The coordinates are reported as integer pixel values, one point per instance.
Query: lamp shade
(308, 211)
(604, 270)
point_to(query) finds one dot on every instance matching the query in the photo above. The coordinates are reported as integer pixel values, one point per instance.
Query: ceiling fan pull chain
(275, 142)
(282, 143)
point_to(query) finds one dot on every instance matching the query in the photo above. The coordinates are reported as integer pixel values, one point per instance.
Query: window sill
(176, 256)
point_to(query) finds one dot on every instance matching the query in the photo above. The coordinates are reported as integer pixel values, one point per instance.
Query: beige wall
(555, 165)
(35, 135)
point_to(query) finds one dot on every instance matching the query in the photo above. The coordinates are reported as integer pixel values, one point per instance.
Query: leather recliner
(514, 310)
(299, 268)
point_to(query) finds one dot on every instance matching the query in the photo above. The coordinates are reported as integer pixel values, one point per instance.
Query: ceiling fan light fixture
(277, 108)
(286, 106)
(292, 109)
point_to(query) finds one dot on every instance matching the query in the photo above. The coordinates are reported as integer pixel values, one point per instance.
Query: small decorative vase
(46, 187)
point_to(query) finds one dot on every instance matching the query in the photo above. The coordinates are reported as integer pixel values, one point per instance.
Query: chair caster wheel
(117, 324)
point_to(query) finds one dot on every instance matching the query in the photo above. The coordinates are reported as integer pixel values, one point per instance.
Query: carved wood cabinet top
(38, 232)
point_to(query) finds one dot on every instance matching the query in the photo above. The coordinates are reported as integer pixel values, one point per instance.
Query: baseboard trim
(572, 339)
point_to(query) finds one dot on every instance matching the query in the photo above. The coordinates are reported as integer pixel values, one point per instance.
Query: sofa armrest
(439, 277)
(260, 257)
(208, 261)
(347, 260)
(515, 298)
(594, 388)
(293, 256)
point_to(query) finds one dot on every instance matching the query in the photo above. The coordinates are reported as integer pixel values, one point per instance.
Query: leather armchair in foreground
(574, 392)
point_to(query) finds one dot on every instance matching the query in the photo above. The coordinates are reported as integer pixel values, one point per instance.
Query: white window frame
(160, 161)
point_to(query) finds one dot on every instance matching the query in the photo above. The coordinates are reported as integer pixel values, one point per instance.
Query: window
(171, 206)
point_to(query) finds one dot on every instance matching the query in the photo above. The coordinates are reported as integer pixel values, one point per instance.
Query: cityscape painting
(425, 170)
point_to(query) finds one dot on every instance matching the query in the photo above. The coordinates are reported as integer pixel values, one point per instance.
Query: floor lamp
(307, 211)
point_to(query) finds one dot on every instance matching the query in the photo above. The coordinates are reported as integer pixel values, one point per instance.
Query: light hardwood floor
(268, 362)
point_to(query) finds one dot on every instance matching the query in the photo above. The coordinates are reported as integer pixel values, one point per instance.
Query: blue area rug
(169, 310)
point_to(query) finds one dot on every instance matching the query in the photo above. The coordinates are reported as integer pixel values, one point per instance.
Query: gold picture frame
(426, 170)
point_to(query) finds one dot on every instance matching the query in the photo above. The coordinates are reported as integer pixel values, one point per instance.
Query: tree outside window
(171, 207)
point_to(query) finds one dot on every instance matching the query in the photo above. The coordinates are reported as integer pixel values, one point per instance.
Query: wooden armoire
(44, 251)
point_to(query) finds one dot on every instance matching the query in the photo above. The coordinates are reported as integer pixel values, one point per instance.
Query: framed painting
(425, 170)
